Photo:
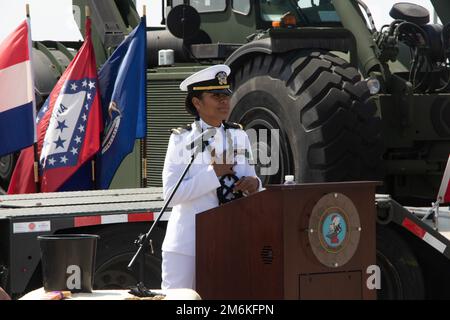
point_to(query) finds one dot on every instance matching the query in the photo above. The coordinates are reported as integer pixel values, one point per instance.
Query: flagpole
(93, 174)
(36, 168)
(144, 140)
(35, 145)
(87, 13)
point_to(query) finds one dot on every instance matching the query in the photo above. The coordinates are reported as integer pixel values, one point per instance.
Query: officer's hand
(247, 185)
(220, 165)
(223, 169)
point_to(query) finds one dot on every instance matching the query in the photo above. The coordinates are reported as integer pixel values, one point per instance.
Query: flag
(17, 103)
(444, 190)
(68, 126)
(122, 84)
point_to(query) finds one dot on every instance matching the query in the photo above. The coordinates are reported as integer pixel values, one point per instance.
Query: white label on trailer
(115, 218)
(435, 243)
(35, 226)
(165, 216)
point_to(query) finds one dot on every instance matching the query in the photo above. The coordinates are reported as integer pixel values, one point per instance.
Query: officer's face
(213, 106)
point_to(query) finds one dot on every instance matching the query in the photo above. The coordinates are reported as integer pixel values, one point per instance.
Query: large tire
(7, 164)
(401, 275)
(329, 130)
(115, 250)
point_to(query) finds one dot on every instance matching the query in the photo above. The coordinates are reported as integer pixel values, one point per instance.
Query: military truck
(350, 102)
(305, 74)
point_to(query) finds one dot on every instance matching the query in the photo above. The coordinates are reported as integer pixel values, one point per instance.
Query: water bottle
(289, 180)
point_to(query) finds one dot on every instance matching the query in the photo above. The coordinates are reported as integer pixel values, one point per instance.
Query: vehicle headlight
(374, 85)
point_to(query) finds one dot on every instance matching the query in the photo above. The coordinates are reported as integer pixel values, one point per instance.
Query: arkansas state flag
(444, 190)
(68, 126)
(17, 105)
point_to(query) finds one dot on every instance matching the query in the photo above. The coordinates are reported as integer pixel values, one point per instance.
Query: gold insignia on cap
(211, 88)
(222, 78)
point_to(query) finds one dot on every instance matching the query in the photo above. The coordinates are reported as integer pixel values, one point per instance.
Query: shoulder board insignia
(233, 125)
(181, 130)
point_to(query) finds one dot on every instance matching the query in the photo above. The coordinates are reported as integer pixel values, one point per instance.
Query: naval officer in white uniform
(209, 182)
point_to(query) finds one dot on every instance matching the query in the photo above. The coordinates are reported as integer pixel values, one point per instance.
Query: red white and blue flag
(68, 127)
(444, 190)
(17, 104)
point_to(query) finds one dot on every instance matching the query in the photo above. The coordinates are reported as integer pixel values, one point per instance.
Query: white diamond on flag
(66, 129)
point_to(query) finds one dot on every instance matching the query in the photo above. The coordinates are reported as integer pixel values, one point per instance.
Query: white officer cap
(212, 79)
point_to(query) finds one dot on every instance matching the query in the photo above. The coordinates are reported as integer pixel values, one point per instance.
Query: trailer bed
(443, 220)
(86, 202)
(24, 217)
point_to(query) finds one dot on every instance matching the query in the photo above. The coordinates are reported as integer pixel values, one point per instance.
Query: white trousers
(178, 271)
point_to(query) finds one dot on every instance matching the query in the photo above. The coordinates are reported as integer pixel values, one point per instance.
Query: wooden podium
(306, 241)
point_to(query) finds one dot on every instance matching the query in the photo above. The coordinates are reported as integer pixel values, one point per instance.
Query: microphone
(202, 140)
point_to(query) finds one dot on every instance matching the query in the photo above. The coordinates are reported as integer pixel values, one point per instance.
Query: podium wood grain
(258, 248)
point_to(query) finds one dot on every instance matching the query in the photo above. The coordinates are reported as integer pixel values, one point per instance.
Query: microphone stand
(144, 242)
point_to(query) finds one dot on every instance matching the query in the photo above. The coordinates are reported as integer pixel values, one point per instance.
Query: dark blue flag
(122, 87)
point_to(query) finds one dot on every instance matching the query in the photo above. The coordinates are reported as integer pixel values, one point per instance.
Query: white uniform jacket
(197, 192)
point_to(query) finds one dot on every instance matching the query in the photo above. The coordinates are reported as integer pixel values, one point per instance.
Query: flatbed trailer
(413, 256)
(117, 216)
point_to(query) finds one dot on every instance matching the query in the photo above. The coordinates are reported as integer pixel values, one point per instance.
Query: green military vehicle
(307, 78)
(350, 102)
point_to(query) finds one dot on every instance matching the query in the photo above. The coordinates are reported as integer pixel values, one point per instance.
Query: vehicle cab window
(209, 5)
(273, 10)
(318, 11)
(177, 3)
(241, 6)
(307, 12)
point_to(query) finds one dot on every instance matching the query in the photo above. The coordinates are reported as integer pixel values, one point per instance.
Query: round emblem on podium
(334, 230)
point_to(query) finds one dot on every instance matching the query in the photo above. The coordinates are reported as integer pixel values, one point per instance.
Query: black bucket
(68, 261)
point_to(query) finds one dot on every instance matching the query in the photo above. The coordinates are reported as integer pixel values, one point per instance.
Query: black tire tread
(394, 248)
(336, 113)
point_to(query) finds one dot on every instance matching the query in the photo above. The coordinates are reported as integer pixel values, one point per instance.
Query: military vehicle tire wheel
(401, 275)
(114, 253)
(327, 120)
(7, 164)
